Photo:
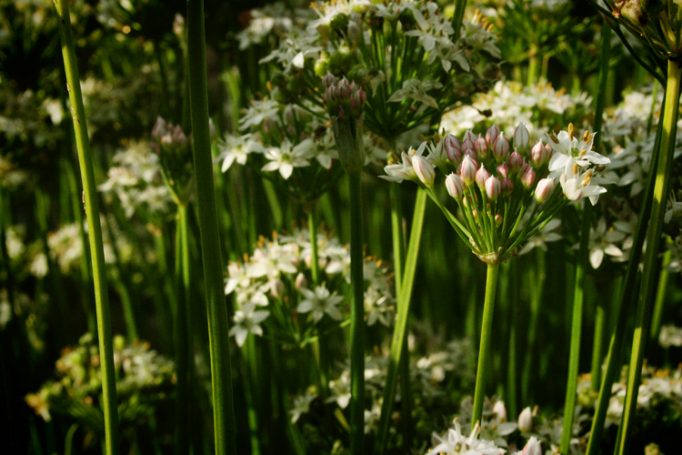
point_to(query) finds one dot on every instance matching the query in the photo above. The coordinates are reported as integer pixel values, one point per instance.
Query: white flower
(405, 170)
(247, 321)
(569, 151)
(258, 112)
(454, 442)
(670, 336)
(301, 406)
(320, 302)
(577, 186)
(236, 148)
(603, 242)
(285, 157)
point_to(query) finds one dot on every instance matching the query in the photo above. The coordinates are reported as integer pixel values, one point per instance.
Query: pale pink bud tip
(455, 186)
(544, 189)
(491, 134)
(492, 187)
(482, 175)
(453, 149)
(468, 169)
(528, 178)
(424, 170)
(501, 148)
(521, 137)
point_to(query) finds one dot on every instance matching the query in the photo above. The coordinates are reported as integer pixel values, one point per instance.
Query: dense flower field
(343, 227)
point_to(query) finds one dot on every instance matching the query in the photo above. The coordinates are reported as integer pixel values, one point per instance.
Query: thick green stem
(458, 17)
(532, 64)
(403, 310)
(648, 289)
(216, 309)
(492, 274)
(182, 326)
(576, 329)
(536, 280)
(106, 350)
(357, 318)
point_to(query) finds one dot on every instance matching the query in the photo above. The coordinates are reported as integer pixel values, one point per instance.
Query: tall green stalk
(653, 240)
(216, 308)
(182, 326)
(357, 318)
(491, 278)
(663, 279)
(403, 310)
(576, 329)
(106, 349)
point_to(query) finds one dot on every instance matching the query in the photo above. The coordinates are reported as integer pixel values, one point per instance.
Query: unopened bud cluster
(343, 97)
(345, 101)
(505, 187)
(175, 156)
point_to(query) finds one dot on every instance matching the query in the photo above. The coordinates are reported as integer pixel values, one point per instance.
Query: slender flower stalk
(182, 332)
(576, 330)
(403, 310)
(344, 102)
(491, 278)
(664, 278)
(85, 160)
(582, 259)
(218, 324)
(653, 240)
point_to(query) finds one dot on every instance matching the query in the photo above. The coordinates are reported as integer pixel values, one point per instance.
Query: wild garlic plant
(504, 192)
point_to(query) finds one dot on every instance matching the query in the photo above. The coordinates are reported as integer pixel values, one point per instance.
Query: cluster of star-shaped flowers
(276, 281)
(505, 190)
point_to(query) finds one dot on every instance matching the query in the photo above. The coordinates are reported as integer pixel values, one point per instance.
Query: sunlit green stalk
(648, 288)
(403, 310)
(491, 278)
(216, 308)
(357, 317)
(182, 325)
(106, 351)
(576, 329)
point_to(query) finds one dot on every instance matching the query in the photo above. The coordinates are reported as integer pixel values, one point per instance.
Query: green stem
(663, 279)
(513, 308)
(576, 329)
(403, 310)
(357, 315)
(532, 64)
(106, 351)
(216, 309)
(661, 187)
(536, 280)
(597, 345)
(458, 17)
(182, 332)
(312, 231)
(491, 278)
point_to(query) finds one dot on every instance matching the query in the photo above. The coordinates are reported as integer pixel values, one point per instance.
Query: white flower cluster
(272, 20)
(670, 336)
(454, 442)
(510, 102)
(282, 138)
(279, 273)
(428, 374)
(136, 181)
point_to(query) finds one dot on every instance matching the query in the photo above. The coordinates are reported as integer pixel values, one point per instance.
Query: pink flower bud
(528, 177)
(467, 169)
(503, 170)
(501, 148)
(498, 219)
(540, 154)
(521, 137)
(481, 145)
(500, 411)
(491, 134)
(455, 186)
(469, 136)
(482, 175)
(453, 149)
(492, 187)
(424, 170)
(544, 189)
(515, 161)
